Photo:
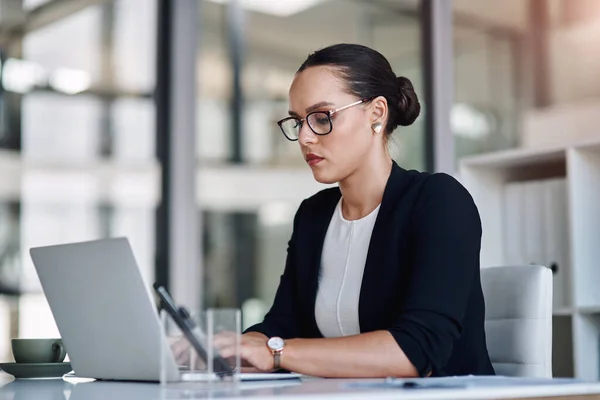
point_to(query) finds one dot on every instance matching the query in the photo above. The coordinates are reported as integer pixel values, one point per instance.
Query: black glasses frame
(329, 114)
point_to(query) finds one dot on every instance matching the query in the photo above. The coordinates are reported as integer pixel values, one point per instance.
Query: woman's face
(335, 156)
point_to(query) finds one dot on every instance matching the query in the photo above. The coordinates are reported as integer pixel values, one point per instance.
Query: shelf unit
(576, 322)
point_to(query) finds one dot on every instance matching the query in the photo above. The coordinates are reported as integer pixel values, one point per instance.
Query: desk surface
(73, 389)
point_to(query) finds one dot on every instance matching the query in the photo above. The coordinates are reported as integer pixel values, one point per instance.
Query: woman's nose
(306, 135)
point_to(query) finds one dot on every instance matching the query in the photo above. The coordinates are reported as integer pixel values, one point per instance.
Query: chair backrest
(518, 320)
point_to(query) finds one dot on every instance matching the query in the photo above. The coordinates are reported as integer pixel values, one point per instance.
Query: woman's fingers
(229, 351)
(196, 362)
(227, 344)
(225, 339)
(180, 348)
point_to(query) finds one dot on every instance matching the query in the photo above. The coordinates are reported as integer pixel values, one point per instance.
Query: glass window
(58, 127)
(72, 43)
(270, 61)
(80, 88)
(276, 40)
(132, 131)
(134, 46)
(486, 113)
(489, 99)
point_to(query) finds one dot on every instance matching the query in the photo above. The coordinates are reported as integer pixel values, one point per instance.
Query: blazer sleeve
(283, 318)
(445, 244)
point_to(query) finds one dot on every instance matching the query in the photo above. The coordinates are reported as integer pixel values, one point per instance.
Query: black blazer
(421, 280)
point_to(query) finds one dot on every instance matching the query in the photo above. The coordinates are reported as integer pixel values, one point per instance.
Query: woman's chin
(323, 177)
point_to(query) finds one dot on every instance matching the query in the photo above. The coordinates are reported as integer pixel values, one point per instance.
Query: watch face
(276, 343)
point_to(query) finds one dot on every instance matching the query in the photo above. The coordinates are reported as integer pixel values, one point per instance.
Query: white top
(342, 266)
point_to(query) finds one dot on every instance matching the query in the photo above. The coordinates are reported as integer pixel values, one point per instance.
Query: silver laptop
(104, 310)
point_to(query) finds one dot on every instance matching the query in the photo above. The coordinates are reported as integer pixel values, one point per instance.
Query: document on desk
(461, 382)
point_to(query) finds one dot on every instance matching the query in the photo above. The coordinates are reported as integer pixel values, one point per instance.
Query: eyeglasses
(318, 121)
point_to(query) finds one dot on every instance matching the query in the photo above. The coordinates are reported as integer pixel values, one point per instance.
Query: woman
(382, 272)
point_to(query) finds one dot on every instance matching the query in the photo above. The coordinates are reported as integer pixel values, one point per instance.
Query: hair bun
(410, 107)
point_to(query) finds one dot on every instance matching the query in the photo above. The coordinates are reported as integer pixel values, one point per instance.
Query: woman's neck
(362, 191)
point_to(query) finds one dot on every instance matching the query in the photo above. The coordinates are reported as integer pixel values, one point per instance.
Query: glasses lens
(320, 123)
(291, 128)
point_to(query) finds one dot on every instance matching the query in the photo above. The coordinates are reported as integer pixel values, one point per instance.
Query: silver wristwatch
(276, 345)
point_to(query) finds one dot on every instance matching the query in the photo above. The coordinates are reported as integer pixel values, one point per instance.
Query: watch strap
(277, 360)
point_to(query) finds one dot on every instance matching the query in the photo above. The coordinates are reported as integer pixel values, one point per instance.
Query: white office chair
(518, 319)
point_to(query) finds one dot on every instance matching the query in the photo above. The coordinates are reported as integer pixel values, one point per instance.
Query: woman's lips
(313, 159)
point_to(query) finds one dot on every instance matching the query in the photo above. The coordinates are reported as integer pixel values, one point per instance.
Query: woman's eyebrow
(318, 105)
(311, 108)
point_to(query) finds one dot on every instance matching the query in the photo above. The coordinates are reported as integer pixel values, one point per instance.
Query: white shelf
(524, 156)
(515, 158)
(490, 179)
(586, 336)
(584, 211)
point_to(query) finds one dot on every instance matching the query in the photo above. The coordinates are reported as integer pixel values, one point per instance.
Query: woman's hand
(184, 354)
(254, 354)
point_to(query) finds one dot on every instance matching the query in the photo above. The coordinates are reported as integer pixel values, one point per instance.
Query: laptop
(105, 311)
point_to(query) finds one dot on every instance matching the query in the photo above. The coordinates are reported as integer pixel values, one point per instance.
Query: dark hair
(368, 74)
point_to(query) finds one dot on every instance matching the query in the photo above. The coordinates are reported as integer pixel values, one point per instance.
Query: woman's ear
(379, 110)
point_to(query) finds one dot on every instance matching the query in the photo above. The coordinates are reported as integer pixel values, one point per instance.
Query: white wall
(574, 57)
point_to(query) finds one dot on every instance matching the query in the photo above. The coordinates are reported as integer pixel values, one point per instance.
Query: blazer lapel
(375, 264)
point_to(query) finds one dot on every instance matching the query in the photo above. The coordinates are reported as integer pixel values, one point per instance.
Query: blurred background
(89, 111)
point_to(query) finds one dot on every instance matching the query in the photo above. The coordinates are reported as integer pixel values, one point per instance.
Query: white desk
(326, 389)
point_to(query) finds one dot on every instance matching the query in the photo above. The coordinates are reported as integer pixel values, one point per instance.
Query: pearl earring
(376, 127)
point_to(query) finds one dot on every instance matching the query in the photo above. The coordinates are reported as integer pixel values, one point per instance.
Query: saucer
(36, 370)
